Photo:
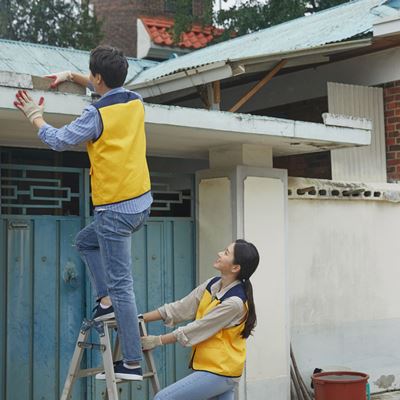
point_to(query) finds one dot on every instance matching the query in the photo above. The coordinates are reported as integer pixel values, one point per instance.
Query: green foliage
(319, 5)
(254, 15)
(3, 18)
(184, 17)
(53, 22)
(250, 15)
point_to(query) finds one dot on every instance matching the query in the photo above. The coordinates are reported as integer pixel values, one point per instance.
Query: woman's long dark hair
(246, 255)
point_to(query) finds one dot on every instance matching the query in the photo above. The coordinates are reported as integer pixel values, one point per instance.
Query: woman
(224, 313)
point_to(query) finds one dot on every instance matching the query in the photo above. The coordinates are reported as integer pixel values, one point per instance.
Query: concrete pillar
(250, 201)
(251, 155)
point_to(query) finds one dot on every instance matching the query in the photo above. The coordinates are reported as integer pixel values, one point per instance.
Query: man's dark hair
(110, 63)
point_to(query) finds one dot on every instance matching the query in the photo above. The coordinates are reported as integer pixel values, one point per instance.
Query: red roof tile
(160, 31)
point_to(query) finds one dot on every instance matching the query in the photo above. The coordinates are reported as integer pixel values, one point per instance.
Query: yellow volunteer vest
(225, 352)
(119, 169)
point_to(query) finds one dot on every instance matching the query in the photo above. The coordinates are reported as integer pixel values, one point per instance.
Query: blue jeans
(105, 247)
(200, 386)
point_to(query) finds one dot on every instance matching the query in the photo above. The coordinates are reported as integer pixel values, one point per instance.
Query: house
(155, 38)
(342, 213)
(143, 29)
(224, 128)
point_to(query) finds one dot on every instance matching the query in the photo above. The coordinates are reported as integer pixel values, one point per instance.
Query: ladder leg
(108, 363)
(117, 349)
(148, 356)
(74, 366)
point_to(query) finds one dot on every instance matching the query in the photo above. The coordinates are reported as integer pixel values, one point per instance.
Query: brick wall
(391, 93)
(198, 8)
(120, 19)
(318, 165)
(312, 165)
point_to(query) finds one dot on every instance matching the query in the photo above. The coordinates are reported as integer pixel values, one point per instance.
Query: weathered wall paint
(343, 277)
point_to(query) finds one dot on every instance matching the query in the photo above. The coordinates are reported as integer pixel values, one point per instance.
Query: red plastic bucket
(340, 385)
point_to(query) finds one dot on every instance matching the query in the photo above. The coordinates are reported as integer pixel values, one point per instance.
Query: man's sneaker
(101, 376)
(123, 373)
(102, 314)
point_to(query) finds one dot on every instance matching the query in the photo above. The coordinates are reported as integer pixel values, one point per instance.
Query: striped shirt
(85, 128)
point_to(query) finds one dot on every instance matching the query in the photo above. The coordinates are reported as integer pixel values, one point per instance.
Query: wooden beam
(202, 91)
(217, 91)
(259, 85)
(214, 95)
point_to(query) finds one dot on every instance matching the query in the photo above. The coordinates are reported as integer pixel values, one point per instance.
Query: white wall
(251, 203)
(344, 278)
(143, 40)
(267, 372)
(214, 223)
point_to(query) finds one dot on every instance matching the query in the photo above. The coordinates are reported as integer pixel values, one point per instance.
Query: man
(113, 129)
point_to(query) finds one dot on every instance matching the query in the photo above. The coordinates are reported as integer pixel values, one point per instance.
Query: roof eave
(185, 79)
(387, 27)
(229, 68)
(188, 132)
(165, 52)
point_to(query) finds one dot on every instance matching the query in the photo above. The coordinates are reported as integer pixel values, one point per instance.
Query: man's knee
(81, 240)
(78, 242)
(121, 289)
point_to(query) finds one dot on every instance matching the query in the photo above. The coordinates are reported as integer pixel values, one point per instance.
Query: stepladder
(109, 353)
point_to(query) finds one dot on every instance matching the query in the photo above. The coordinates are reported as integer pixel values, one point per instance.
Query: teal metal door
(163, 271)
(44, 287)
(42, 278)
(43, 298)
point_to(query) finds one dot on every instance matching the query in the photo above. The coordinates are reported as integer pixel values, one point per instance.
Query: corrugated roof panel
(333, 25)
(4, 66)
(51, 60)
(35, 59)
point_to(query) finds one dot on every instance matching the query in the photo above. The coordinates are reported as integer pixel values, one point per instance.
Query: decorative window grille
(172, 195)
(35, 190)
(43, 190)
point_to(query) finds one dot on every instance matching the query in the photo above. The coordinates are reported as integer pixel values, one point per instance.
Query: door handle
(18, 225)
(70, 275)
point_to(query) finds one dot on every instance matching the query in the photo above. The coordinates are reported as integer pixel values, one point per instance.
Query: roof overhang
(195, 76)
(186, 132)
(146, 48)
(387, 27)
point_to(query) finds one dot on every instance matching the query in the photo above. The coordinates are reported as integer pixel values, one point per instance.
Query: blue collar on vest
(238, 290)
(116, 98)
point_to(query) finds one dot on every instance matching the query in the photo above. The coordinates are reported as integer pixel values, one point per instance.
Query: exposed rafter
(259, 85)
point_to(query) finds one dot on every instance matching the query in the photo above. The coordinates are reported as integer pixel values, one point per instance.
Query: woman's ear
(236, 268)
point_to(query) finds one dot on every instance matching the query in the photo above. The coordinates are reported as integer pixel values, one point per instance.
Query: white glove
(60, 77)
(150, 342)
(27, 105)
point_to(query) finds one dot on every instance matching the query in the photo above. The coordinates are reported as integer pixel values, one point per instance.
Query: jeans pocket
(230, 381)
(141, 219)
(134, 221)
